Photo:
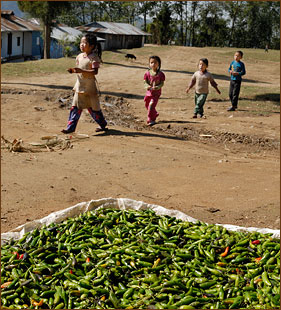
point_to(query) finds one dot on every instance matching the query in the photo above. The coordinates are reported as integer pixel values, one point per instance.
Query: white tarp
(117, 203)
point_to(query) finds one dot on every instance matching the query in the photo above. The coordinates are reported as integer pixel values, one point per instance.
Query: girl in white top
(201, 79)
(85, 89)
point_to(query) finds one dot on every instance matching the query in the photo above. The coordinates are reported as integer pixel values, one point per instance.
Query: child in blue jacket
(236, 70)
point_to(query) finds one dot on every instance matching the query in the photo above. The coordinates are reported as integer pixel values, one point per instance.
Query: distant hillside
(139, 22)
(12, 5)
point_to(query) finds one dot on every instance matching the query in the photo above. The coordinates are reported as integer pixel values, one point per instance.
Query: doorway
(9, 43)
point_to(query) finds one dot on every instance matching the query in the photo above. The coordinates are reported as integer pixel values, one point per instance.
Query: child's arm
(235, 73)
(243, 70)
(191, 84)
(161, 84)
(93, 67)
(157, 87)
(230, 69)
(147, 85)
(94, 71)
(215, 85)
(216, 88)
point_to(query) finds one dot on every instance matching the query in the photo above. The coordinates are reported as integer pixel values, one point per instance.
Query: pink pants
(150, 104)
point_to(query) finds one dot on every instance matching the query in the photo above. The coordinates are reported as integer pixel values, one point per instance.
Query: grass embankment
(36, 67)
(262, 69)
(224, 55)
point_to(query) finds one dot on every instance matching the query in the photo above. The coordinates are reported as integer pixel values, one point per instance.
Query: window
(38, 41)
(18, 41)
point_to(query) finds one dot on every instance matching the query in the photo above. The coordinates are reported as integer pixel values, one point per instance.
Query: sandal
(99, 129)
(66, 131)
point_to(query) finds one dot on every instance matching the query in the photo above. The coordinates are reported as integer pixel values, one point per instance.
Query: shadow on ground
(115, 132)
(41, 85)
(177, 122)
(268, 97)
(216, 76)
(261, 97)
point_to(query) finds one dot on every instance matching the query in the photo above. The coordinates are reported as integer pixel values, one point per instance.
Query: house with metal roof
(116, 35)
(20, 39)
(62, 33)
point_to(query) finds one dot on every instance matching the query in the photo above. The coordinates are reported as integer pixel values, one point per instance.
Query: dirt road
(222, 169)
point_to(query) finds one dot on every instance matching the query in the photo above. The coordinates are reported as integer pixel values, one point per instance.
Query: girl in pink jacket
(153, 81)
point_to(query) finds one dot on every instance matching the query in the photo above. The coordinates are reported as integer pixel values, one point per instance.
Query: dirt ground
(222, 169)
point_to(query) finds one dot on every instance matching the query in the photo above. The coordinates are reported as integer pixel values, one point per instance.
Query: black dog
(131, 56)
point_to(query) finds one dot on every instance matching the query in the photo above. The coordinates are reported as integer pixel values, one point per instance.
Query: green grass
(60, 65)
(48, 66)
(146, 51)
(36, 67)
(261, 108)
(250, 54)
(261, 94)
(259, 100)
(255, 100)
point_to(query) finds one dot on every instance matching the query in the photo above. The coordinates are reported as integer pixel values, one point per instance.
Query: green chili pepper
(265, 278)
(138, 259)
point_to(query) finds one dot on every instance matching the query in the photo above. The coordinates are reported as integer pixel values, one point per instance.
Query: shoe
(194, 116)
(99, 129)
(231, 109)
(203, 116)
(151, 123)
(66, 131)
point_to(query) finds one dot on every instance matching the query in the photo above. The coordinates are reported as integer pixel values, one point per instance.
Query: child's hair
(205, 61)
(92, 40)
(241, 53)
(99, 50)
(157, 58)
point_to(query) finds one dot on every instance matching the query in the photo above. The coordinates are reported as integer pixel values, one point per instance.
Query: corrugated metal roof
(10, 22)
(61, 33)
(112, 28)
(35, 21)
(7, 12)
(69, 33)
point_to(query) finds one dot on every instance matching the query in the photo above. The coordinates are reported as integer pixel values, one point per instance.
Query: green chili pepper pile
(110, 258)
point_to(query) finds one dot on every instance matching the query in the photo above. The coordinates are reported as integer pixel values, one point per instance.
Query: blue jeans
(75, 114)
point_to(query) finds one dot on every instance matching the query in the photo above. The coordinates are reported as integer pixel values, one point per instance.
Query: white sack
(117, 203)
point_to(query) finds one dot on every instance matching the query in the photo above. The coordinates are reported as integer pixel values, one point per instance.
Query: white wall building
(17, 36)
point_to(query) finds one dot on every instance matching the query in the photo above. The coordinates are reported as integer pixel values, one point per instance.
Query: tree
(212, 26)
(194, 6)
(274, 41)
(78, 13)
(261, 17)
(65, 44)
(47, 12)
(153, 28)
(130, 7)
(234, 9)
(254, 24)
(201, 23)
(145, 8)
(163, 22)
(178, 7)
